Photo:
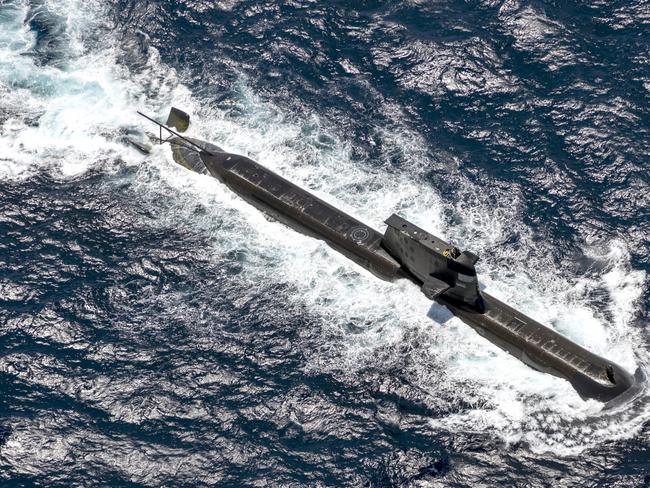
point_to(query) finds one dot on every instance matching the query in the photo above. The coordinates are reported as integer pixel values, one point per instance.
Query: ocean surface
(155, 330)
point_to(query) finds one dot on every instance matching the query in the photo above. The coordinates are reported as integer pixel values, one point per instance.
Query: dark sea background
(155, 330)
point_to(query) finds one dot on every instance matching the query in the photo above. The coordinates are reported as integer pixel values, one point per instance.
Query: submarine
(444, 273)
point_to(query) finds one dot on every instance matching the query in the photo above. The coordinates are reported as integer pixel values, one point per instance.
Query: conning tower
(440, 267)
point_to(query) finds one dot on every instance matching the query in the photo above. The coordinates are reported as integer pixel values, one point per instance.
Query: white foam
(79, 106)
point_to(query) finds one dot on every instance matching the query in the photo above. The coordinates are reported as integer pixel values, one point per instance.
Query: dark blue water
(156, 331)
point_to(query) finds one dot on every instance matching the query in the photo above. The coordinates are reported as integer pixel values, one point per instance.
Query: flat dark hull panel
(303, 211)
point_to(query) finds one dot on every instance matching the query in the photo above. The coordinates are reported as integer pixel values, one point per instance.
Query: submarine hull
(536, 345)
(544, 349)
(304, 212)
